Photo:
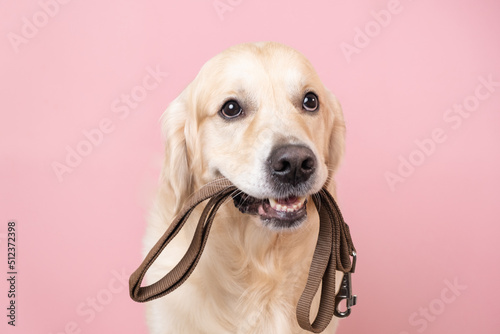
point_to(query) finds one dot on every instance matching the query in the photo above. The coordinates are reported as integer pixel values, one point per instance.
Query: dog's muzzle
(290, 171)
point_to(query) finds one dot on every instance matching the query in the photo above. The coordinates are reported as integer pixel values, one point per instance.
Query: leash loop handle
(217, 192)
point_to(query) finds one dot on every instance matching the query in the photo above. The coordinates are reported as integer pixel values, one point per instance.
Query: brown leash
(333, 250)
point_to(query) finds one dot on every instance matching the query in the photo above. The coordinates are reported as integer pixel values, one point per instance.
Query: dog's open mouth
(278, 213)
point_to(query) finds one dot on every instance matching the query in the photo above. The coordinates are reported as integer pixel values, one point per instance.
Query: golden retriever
(258, 115)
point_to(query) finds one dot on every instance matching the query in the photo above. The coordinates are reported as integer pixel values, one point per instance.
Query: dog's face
(258, 115)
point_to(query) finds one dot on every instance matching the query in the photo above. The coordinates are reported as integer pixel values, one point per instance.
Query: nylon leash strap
(334, 249)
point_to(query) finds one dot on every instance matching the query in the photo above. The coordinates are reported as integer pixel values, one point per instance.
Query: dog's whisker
(226, 201)
(235, 193)
(318, 200)
(245, 198)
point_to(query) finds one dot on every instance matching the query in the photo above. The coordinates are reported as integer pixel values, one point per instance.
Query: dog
(258, 115)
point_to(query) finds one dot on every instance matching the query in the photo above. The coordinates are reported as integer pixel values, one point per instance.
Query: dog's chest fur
(248, 279)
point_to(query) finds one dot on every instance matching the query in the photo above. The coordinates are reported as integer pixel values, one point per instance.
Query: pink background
(440, 225)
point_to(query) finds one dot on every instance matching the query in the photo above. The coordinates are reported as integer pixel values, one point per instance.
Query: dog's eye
(310, 102)
(231, 109)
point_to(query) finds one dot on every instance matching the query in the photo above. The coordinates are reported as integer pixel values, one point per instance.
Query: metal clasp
(345, 292)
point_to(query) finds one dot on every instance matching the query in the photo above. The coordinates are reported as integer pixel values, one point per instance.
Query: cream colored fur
(250, 277)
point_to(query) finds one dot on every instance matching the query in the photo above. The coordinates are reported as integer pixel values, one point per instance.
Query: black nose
(292, 164)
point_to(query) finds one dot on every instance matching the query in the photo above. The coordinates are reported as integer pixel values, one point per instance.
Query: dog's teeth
(272, 201)
(284, 208)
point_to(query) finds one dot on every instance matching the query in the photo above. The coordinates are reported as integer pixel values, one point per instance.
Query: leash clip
(345, 292)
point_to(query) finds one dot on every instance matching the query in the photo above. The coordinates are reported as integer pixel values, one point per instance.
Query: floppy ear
(336, 145)
(176, 174)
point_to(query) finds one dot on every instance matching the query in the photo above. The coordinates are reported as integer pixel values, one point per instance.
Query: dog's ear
(336, 145)
(176, 175)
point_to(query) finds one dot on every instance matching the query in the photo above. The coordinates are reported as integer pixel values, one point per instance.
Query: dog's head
(258, 115)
